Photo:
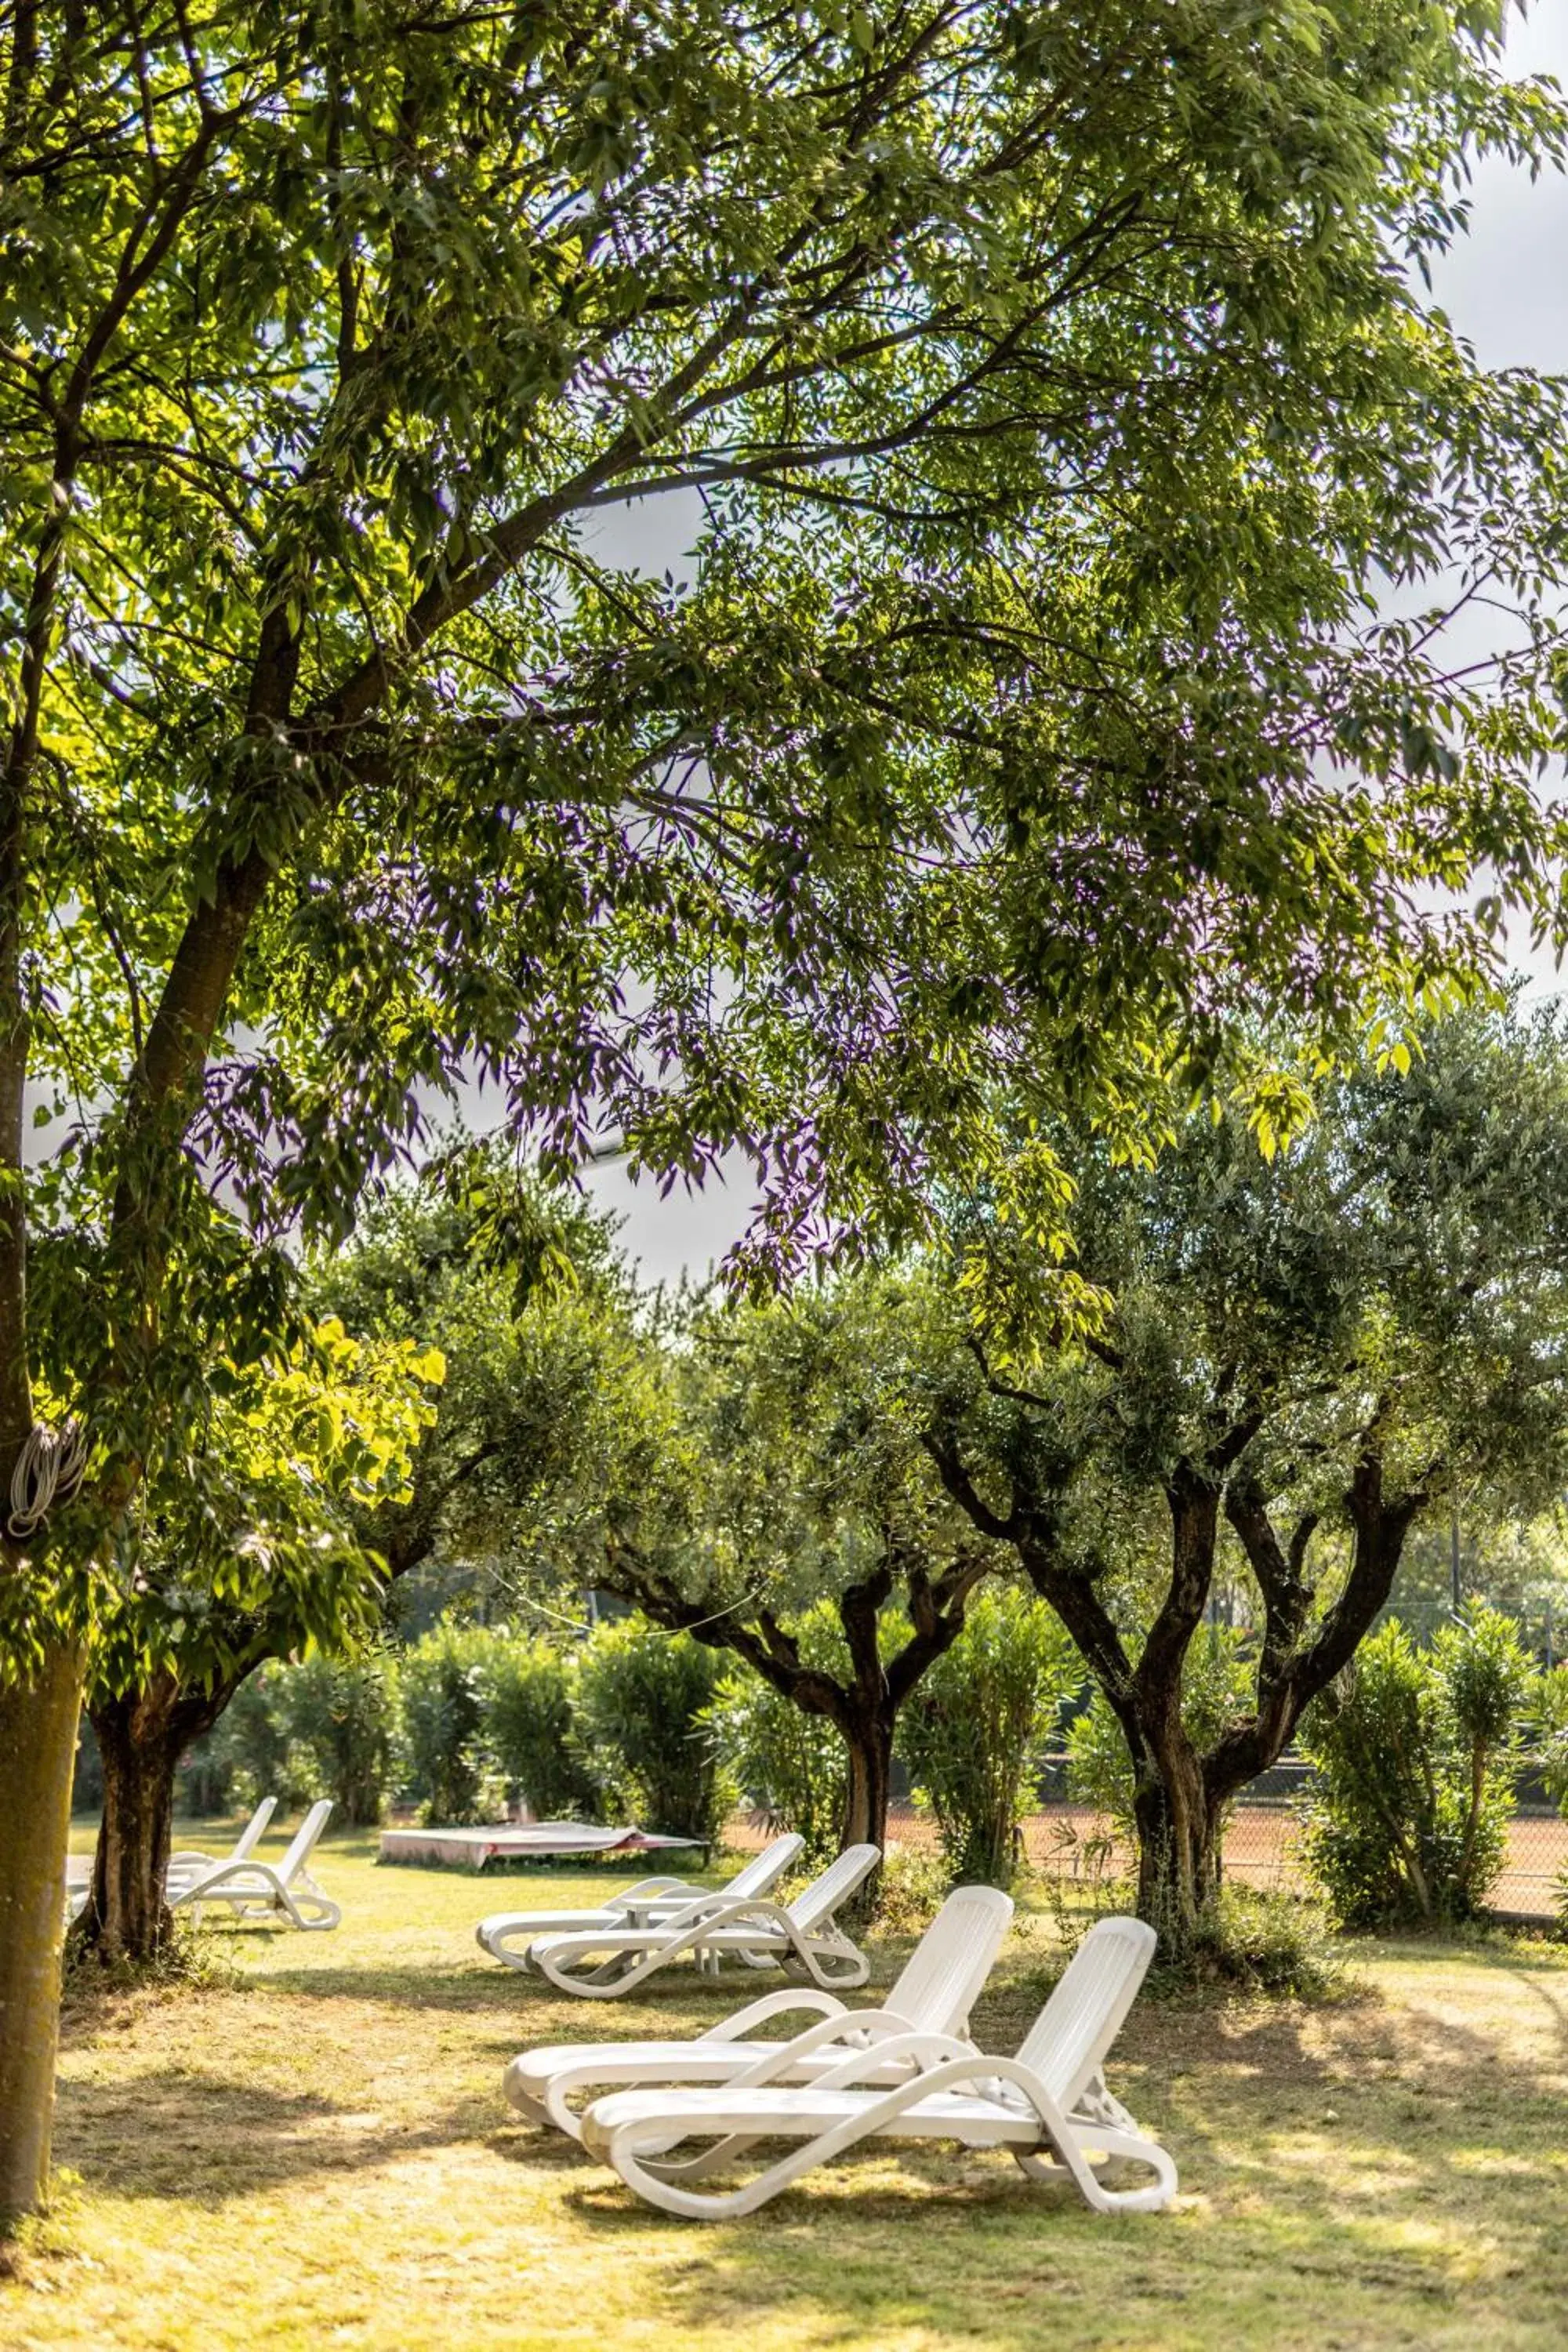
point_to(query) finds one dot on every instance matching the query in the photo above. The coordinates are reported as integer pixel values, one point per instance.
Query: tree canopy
(329, 1479)
(1055, 394)
(537, 1314)
(258, 1551)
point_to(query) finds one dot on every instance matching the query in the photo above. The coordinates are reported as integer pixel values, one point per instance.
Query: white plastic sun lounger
(934, 1993)
(181, 1867)
(605, 1962)
(255, 1889)
(1048, 2107)
(187, 1862)
(506, 1934)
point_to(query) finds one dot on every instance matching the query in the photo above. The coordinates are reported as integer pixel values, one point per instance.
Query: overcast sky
(1504, 289)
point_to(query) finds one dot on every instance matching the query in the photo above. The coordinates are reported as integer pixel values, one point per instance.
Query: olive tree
(1301, 1356)
(772, 1474)
(533, 1310)
(252, 1551)
(528, 1298)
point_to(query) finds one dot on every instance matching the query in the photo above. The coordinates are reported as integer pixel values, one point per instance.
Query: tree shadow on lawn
(1380, 2155)
(1325, 2155)
(198, 2136)
(960, 2246)
(1364, 2153)
(526, 2011)
(674, 2002)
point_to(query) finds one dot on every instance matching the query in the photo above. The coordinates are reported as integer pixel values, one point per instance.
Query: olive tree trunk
(863, 1707)
(37, 1754)
(869, 1737)
(1180, 1794)
(1180, 1861)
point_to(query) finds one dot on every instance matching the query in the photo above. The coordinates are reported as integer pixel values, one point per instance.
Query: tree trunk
(869, 1739)
(1179, 1857)
(37, 1751)
(142, 1737)
(128, 1916)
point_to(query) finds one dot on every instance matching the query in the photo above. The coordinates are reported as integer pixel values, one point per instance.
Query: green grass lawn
(312, 2149)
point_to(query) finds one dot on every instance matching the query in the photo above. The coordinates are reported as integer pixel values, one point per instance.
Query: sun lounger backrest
(938, 1984)
(250, 1837)
(838, 1883)
(305, 1837)
(765, 1869)
(1069, 2040)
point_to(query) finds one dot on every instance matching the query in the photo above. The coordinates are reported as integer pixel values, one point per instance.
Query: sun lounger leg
(1073, 2159)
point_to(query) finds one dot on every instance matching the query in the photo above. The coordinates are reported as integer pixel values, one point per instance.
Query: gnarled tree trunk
(1180, 1795)
(1179, 1857)
(869, 1737)
(38, 1752)
(866, 1714)
(864, 1707)
(141, 1736)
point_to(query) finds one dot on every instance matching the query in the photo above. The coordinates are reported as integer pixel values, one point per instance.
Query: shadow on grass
(690, 2005)
(1389, 2170)
(194, 2134)
(677, 2000)
(1381, 2172)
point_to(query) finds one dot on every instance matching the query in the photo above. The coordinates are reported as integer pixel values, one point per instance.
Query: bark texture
(37, 1748)
(141, 1738)
(869, 1741)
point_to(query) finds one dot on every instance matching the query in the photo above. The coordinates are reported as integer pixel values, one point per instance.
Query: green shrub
(910, 1886)
(641, 1695)
(1265, 1941)
(1406, 1818)
(973, 1728)
(343, 1714)
(1551, 1732)
(254, 1741)
(1552, 1726)
(529, 1693)
(450, 1772)
(1252, 1939)
(791, 1766)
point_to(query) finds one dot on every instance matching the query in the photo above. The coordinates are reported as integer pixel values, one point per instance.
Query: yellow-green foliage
(641, 1696)
(1407, 1814)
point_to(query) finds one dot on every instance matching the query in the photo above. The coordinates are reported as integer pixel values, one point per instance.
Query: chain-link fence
(1073, 1843)
(1262, 1838)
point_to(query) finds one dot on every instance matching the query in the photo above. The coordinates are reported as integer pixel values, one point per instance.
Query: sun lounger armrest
(713, 1910)
(920, 2051)
(877, 2031)
(646, 1889)
(257, 1878)
(771, 2005)
(749, 1909)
